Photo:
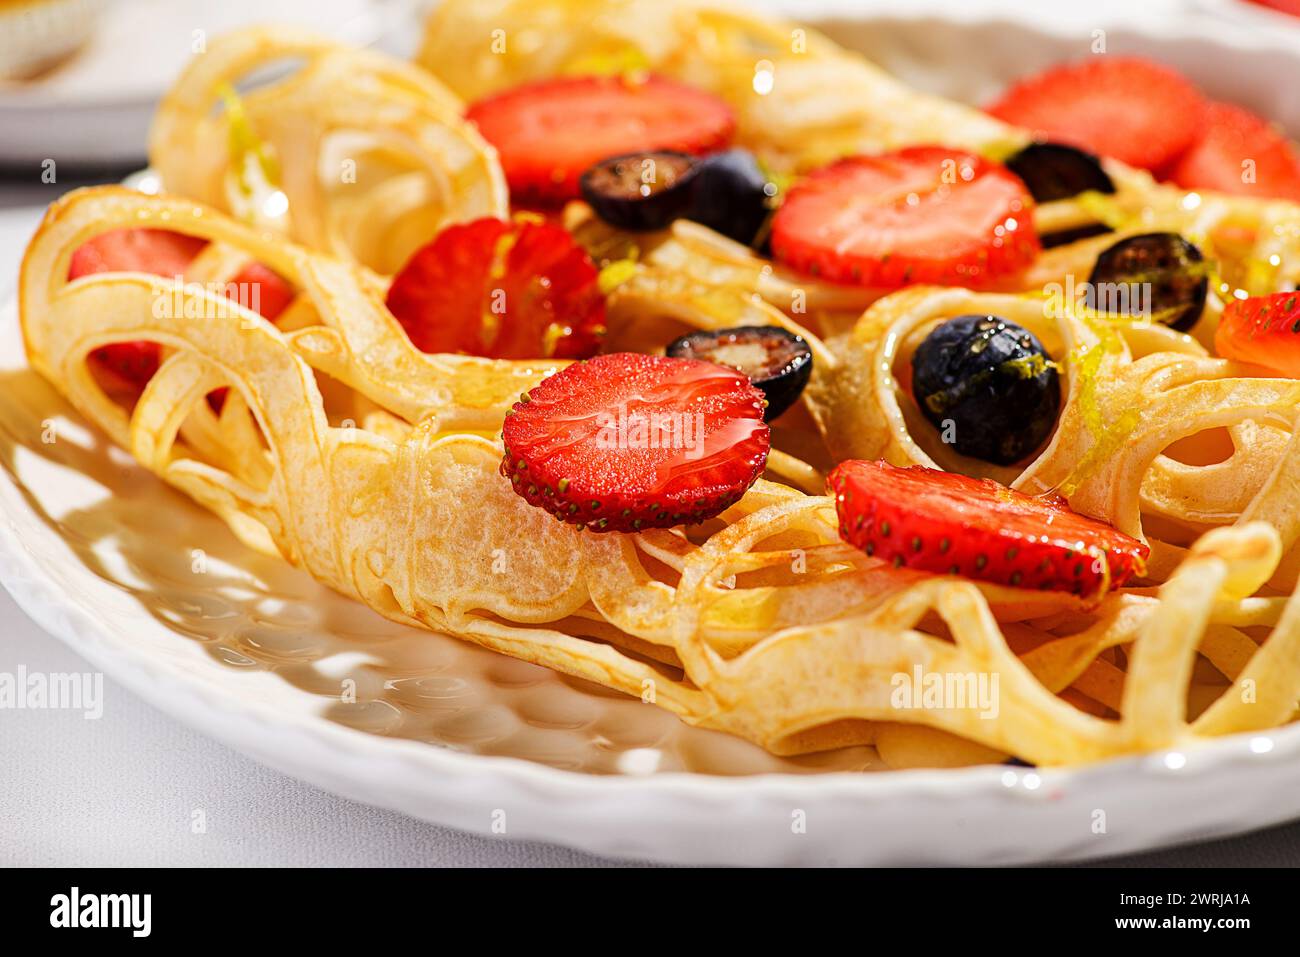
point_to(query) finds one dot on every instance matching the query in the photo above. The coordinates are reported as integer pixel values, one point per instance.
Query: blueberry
(1158, 275)
(641, 191)
(1054, 171)
(1063, 237)
(989, 384)
(644, 191)
(731, 195)
(777, 361)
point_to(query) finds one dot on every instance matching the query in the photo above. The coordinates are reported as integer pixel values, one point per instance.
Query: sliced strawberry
(1263, 330)
(627, 441)
(1291, 7)
(264, 291)
(1137, 111)
(548, 133)
(257, 286)
(158, 252)
(1239, 152)
(507, 290)
(948, 523)
(925, 214)
(129, 364)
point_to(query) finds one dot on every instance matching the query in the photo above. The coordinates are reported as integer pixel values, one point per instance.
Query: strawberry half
(160, 252)
(627, 441)
(507, 290)
(1231, 138)
(549, 133)
(1137, 111)
(951, 524)
(1264, 330)
(925, 214)
(255, 284)
(1291, 7)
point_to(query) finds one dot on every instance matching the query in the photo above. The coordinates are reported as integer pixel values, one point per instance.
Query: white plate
(156, 593)
(95, 108)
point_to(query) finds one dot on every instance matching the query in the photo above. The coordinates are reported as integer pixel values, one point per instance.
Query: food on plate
(155, 251)
(1160, 276)
(548, 133)
(1074, 468)
(369, 156)
(725, 191)
(775, 359)
(639, 191)
(1148, 115)
(923, 214)
(733, 196)
(1263, 330)
(505, 290)
(163, 253)
(990, 383)
(951, 524)
(1133, 110)
(1239, 152)
(1053, 171)
(1291, 7)
(627, 441)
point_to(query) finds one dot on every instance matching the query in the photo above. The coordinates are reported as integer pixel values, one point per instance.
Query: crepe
(371, 153)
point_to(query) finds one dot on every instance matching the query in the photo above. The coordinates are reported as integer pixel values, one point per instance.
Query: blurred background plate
(93, 106)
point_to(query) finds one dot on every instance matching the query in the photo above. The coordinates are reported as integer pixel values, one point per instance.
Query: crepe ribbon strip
(764, 624)
(370, 154)
(381, 477)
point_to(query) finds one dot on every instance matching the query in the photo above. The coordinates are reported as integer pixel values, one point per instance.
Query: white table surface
(122, 790)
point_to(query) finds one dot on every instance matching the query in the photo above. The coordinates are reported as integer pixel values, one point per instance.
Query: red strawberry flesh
(505, 290)
(1240, 153)
(627, 441)
(947, 523)
(925, 214)
(548, 133)
(160, 252)
(1136, 111)
(256, 285)
(1263, 330)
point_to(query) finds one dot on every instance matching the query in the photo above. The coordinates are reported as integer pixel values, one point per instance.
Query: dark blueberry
(1054, 171)
(1160, 276)
(988, 386)
(641, 191)
(1064, 236)
(777, 361)
(731, 195)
